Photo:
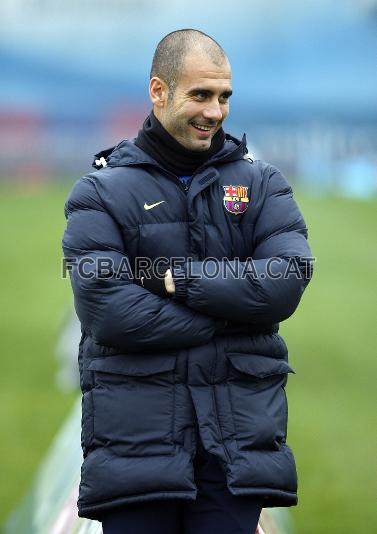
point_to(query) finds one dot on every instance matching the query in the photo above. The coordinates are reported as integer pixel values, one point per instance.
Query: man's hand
(259, 530)
(169, 282)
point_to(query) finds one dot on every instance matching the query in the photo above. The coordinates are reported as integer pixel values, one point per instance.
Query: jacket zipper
(184, 187)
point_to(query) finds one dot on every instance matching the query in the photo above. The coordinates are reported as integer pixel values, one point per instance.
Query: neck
(169, 153)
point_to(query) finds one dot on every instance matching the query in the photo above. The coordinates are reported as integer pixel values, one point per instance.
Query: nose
(213, 111)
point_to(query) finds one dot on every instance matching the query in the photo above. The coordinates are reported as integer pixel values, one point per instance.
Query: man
(182, 370)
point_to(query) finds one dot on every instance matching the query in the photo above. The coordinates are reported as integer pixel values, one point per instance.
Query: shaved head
(190, 86)
(172, 50)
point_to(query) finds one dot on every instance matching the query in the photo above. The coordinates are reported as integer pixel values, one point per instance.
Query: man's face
(200, 102)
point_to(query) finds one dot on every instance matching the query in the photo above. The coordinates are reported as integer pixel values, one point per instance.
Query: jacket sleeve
(267, 288)
(112, 309)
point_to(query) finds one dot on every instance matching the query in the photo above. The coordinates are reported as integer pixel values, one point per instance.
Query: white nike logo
(150, 206)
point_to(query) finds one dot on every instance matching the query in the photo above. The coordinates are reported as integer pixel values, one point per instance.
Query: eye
(201, 95)
(224, 99)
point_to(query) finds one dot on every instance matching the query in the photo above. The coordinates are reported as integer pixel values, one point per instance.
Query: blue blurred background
(74, 80)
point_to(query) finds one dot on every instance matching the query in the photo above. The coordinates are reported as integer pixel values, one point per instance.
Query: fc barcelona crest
(235, 199)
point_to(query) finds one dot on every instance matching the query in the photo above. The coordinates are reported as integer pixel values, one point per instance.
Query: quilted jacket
(155, 371)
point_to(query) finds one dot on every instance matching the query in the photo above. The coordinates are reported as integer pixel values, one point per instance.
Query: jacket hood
(126, 153)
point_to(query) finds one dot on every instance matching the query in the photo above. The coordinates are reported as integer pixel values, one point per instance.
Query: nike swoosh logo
(150, 206)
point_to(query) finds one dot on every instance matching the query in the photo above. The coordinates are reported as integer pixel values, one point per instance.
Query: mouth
(203, 130)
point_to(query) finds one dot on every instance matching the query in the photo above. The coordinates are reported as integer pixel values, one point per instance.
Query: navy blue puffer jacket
(155, 370)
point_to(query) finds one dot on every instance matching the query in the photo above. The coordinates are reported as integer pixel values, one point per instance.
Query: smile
(201, 127)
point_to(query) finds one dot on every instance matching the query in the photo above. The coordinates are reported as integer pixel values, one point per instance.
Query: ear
(158, 92)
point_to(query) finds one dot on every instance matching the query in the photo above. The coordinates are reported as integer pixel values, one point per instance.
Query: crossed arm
(269, 288)
(120, 313)
(115, 311)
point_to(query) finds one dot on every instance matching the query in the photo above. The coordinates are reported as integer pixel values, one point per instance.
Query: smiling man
(184, 427)
(191, 94)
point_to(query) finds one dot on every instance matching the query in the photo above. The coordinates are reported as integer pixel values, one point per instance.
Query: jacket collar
(126, 153)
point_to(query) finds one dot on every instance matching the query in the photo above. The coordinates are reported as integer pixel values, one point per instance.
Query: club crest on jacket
(235, 198)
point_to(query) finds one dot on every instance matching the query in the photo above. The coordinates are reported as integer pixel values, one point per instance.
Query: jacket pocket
(258, 401)
(134, 364)
(133, 400)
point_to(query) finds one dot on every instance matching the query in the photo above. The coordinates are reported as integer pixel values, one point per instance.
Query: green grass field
(332, 340)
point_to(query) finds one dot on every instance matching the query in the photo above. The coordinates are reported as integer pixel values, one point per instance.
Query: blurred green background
(332, 341)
